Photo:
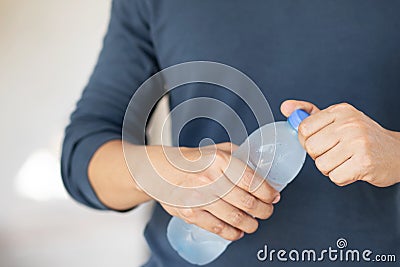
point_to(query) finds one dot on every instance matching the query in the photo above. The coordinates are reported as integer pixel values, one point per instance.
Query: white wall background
(47, 51)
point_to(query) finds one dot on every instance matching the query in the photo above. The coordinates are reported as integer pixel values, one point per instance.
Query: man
(327, 52)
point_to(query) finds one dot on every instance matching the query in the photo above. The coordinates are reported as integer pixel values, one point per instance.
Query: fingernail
(241, 235)
(276, 200)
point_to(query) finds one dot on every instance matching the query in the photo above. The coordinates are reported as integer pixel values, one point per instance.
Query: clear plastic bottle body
(275, 143)
(194, 244)
(201, 247)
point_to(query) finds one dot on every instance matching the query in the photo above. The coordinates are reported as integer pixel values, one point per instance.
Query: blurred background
(48, 49)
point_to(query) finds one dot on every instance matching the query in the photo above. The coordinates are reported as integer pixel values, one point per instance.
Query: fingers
(337, 138)
(250, 204)
(324, 140)
(346, 173)
(314, 124)
(244, 177)
(332, 159)
(318, 121)
(233, 216)
(267, 193)
(209, 222)
(289, 106)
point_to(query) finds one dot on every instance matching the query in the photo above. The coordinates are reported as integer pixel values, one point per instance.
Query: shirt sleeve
(127, 59)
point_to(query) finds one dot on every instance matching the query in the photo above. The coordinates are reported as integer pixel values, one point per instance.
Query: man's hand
(231, 215)
(234, 211)
(347, 145)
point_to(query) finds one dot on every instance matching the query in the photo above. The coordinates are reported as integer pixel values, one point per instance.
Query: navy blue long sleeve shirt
(324, 52)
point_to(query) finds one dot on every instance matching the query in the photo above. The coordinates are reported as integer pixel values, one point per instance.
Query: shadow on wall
(47, 51)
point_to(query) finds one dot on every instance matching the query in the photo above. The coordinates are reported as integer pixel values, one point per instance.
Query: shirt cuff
(81, 156)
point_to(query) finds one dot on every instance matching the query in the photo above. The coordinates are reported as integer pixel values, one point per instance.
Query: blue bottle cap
(296, 118)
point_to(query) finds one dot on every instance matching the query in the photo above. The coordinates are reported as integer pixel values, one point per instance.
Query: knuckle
(353, 122)
(360, 130)
(237, 217)
(247, 178)
(218, 228)
(349, 125)
(341, 107)
(366, 164)
(249, 202)
(361, 127)
(345, 105)
(334, 108)
(303, 129)
(365, 143)
(187, 214)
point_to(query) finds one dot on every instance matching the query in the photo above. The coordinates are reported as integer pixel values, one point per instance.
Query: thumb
(288, 106)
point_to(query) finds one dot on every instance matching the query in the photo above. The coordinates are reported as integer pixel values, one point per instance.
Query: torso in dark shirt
(324, 52)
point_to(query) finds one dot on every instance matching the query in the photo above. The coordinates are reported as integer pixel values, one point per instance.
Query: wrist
(111, 179)
(396, 150)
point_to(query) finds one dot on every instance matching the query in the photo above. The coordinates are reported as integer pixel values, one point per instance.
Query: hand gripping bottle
(201, 247)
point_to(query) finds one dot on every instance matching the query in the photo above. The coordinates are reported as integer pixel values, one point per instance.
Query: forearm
(111, 179)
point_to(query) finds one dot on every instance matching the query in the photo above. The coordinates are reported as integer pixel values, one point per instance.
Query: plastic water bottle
(201, 247)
